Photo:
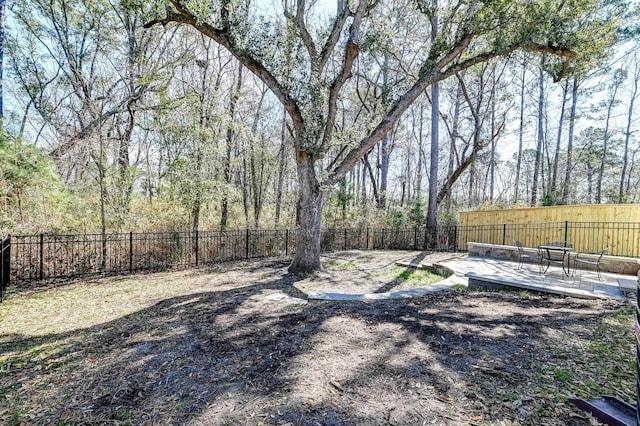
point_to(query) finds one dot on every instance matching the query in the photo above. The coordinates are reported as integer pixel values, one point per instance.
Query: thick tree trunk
(307, 257)
(195, 213)
(432, 209)
(432, 206)
(445, 188)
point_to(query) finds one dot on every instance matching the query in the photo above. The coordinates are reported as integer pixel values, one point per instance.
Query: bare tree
(480, 109)
(635, 83)
(609, 103)
(572, 125)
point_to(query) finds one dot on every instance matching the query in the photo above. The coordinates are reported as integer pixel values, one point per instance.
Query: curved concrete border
(445, 285)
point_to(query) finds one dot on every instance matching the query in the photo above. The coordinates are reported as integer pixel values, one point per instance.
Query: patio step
(493, 282)
(628, 285)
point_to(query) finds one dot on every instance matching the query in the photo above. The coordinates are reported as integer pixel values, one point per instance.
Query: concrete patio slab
(498, 273)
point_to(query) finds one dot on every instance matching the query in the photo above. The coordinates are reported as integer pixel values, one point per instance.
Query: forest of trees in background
(110, 126)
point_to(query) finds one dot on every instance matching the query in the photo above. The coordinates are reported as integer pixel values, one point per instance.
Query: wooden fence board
(582, 213)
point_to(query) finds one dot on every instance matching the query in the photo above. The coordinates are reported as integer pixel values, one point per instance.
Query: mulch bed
(226, 354)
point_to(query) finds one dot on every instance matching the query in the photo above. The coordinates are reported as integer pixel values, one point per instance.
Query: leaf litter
(207, 347)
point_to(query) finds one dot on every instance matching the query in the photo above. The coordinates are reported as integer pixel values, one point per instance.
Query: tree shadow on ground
(231, 356)
(421, 256)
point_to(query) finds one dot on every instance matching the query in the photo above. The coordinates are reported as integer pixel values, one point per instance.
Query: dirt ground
(220, 351)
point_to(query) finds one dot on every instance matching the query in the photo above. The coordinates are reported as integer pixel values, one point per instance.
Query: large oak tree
(306, 55)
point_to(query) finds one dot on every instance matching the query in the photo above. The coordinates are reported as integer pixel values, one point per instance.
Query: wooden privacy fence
(623, 239)
(600, 213)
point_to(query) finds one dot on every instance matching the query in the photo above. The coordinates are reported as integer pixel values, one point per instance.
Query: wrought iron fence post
(367, 243)
(246, 251)
(455, 237)
(345, 239)
(130, 251)
(286, 242)
(197, 246)
(5, 265)
(504, 234)
(566, 231)
(41, 256)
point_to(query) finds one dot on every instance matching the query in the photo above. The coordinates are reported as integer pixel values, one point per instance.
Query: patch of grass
(181, 405)
(412, 277)
(123, 415)
(562, 374)
(18, 417)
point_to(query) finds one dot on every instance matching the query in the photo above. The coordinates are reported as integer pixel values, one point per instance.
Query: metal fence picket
(5, 265)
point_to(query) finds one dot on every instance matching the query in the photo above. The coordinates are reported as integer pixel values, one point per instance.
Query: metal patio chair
(590, 258)
(522, 256)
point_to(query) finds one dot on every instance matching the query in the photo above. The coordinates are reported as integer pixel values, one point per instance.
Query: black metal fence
(45, 257)
(5, 265)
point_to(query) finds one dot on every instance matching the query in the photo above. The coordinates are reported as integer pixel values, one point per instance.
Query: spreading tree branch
(430, 75)
(333, 38)
(350, 54)
(302, 28)
(394, 114)
(222, 36)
